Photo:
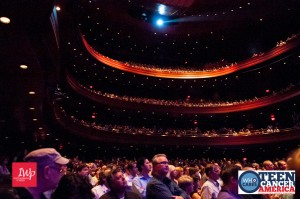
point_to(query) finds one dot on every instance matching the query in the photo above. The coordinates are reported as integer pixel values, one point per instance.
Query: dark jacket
(128, 195)
(164, 189)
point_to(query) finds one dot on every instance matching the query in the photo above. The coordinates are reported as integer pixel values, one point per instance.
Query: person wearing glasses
(51, 167)
(160, 186)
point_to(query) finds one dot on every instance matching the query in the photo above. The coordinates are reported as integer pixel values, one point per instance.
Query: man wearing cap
(51, 166)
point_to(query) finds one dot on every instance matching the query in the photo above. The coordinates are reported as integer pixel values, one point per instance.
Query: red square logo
(24, 174)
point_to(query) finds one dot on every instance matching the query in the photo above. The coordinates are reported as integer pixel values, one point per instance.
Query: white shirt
(129, 179)
(210, 189)
(99, 190)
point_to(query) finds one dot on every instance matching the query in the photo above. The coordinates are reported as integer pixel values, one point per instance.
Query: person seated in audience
(239, 165)
(51, 166)
(186, 170)
(293, 163)
(230, 183)
(282, 165)
(5, 174)
(186, 183)
(211, 188)
(256, 166)
(73, 186)
(93, 174)
(268, 165)
(131, 172)
(102, 186)
(172, 173)
(4, 171)
(179, 172)
(194, 170)
(118, 186)
(161, 187)
(195, 194)
(139, 183)
(83, 169)
(9, 193)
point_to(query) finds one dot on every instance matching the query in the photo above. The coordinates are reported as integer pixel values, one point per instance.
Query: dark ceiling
(203, 32)
(198, 36)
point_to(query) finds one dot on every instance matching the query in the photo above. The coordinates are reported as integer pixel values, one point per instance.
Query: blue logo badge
(249, 181)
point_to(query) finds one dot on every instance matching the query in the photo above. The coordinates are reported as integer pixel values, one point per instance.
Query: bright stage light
(161, 9)
(159, 22)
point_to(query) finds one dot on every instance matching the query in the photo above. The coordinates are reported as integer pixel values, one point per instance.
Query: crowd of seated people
(194, 132)
(191, 179)
(206, 68)
(184, 103)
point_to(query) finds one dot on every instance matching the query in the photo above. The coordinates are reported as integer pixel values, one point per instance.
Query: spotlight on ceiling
(159, 22)
(161, 9)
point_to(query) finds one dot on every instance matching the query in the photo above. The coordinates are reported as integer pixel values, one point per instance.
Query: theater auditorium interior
(125, 78)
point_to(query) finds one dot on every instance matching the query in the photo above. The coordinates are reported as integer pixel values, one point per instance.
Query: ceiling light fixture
(5, 20)
(31, 93)
(161, 9)
(22, 66)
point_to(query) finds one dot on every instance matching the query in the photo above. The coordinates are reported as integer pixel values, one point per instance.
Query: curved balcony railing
(188, 108)
(281, 48)
(104, 134)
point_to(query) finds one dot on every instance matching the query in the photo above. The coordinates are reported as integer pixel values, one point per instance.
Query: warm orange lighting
(157, 72)
(31, 93)
(5, 20)
(57, 8)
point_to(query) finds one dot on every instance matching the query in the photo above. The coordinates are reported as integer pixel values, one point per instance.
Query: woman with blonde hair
(186, 183)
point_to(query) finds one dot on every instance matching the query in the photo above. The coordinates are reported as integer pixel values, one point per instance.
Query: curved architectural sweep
(177, 74)
(117, 102)
(106, 136)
